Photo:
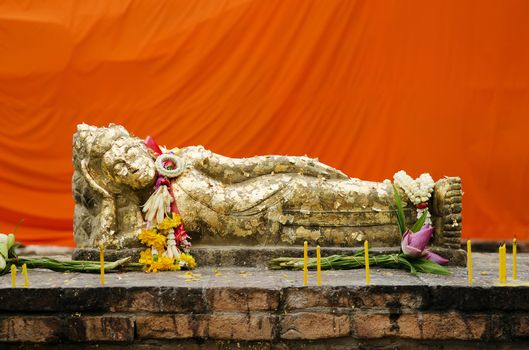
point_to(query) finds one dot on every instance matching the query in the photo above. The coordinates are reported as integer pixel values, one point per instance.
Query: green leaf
(68, 265)
(427, 266)
(359, 253)
(403, 260)
(400, 211)
(347, 262)
(420, 222)
(12, 253)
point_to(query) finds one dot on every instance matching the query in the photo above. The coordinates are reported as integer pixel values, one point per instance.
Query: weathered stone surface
(254, 326)
(117, 299)
(35, 329)
(232, 255)
(166, 326)
(393, 298)
(113, 173)
(242, 299)
(408, 325)
(475, 298)
(453, 325)
(161, 300)
(356, 297)
(310, 297)
(231, 307)
(100, 328)
(373, 326)
(40, 299)
(438, 326)
(264, 200)
(501, 327)
(446, 212)
(520, 326)
(313, 325)
(324, 344)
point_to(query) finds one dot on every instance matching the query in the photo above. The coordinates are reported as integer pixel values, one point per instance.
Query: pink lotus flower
(414, 245)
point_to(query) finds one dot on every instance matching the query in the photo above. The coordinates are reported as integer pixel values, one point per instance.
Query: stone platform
(256, 256)
(253, 308)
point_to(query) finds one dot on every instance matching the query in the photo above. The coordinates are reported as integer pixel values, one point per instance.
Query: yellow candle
(102, 262)
(504, 263)
(318, 264)
(305, 263)
(469, 262)
(502, 267)
(500, 278)
(366, 261)
(25, 274)
(13, 276)
(514, 251)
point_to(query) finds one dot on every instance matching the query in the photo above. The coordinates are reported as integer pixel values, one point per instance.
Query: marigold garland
(146, 257)
(189, 260)
(157, 263)
(168, 222)
(165, 235)
(156, 238)
(151, 238)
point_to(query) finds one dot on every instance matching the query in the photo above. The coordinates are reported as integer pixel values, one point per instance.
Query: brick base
(326, 317)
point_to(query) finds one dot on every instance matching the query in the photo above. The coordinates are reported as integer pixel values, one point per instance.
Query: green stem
(73, 265)
(347, 262)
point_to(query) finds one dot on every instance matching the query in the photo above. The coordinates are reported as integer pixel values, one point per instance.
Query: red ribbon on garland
(162, 180)
(180, 233)
(152, 145)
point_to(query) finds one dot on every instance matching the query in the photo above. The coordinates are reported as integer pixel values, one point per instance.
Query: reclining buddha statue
(263, 200)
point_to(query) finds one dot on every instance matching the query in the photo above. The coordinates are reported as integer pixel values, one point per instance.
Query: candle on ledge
(13, 276)
(366, 261)
(305, 263)
(25, 274)
(499, 265)
(514, 251)
(102, 262)
(504, 263)
(502, 266)
(469, 261)
(318, 264)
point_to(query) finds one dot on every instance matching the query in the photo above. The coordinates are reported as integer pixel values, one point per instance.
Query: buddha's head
(121, 158)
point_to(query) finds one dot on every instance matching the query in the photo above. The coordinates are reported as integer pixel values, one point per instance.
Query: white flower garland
(158, 206)
(179, 165)
(418, 190)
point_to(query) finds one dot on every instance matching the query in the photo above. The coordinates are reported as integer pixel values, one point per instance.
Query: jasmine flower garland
(418, 191)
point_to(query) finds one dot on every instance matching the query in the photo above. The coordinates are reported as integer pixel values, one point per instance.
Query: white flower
(158, 205)
(418, 190)
(428, 220)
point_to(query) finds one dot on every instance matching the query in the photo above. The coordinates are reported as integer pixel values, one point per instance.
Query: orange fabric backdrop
(368, 87)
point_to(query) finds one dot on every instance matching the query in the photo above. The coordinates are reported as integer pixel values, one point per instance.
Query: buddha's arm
(107, 214)
(234, 170)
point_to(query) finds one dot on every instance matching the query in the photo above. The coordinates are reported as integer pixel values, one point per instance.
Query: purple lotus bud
(414, 244)
(435, 258)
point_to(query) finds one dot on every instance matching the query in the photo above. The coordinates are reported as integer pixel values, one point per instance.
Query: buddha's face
(128, 162)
